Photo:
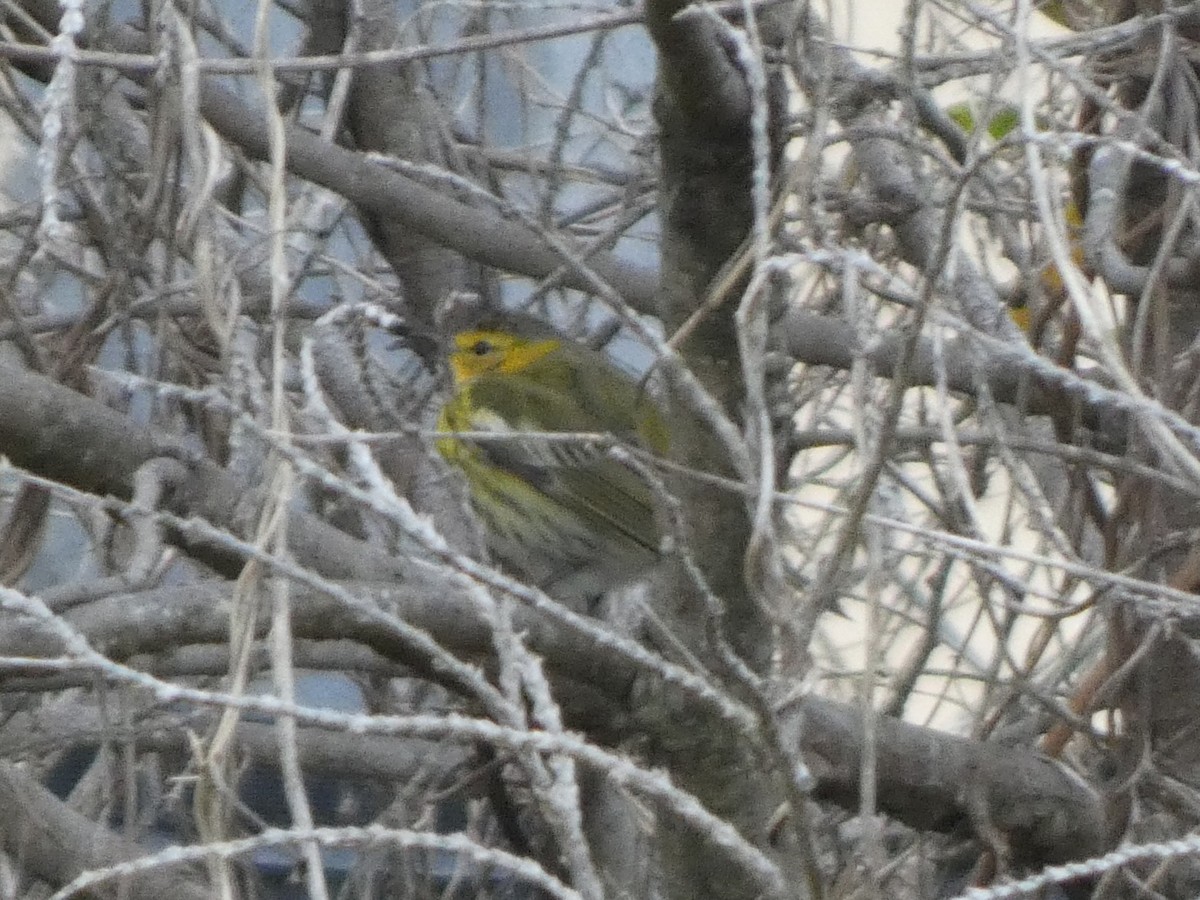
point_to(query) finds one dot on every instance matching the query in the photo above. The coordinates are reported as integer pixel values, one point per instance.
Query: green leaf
(1003, 122)
(998, 126)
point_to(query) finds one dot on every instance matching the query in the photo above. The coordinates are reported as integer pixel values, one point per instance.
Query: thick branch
(479, 233)
(59, 434)
(57, 844)
(927, 779)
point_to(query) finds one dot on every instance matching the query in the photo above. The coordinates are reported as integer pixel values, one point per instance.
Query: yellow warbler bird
(559, 510)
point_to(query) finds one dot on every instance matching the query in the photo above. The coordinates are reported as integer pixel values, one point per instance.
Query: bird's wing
(580, 474)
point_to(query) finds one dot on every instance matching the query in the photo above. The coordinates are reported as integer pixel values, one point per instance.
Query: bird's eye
(482, 347)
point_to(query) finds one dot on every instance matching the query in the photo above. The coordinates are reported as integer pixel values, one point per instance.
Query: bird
(531, 422)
